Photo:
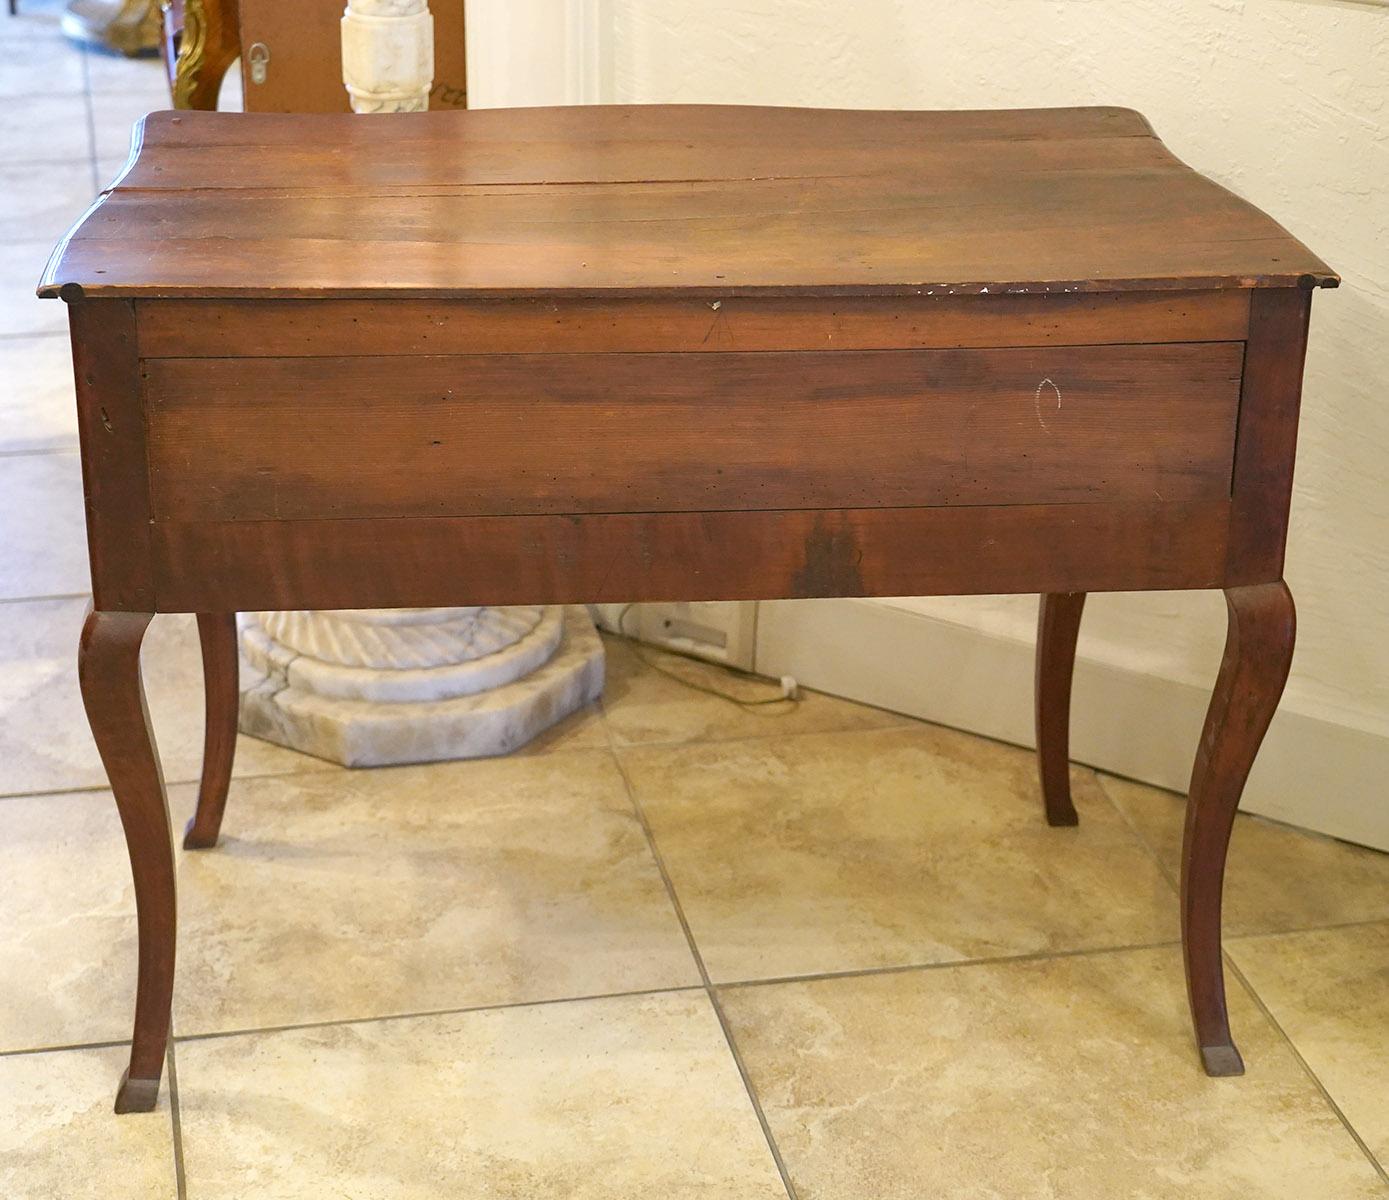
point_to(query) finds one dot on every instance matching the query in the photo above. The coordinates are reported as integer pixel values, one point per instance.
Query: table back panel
(520, 434)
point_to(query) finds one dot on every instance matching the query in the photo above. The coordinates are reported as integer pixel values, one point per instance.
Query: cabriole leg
(1258, 651)
(1058, 624)
(217, 633)
(108, 667)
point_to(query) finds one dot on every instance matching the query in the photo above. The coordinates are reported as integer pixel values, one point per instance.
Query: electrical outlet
(723, 631)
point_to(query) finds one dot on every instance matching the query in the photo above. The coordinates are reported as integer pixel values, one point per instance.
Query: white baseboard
(1311, 772)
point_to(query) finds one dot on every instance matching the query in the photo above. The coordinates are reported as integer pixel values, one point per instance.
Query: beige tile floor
(676, 948)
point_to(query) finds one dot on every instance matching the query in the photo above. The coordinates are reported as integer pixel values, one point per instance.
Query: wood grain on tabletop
(666, 199)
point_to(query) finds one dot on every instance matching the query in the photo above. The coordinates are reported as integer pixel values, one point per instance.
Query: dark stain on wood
(832, 562)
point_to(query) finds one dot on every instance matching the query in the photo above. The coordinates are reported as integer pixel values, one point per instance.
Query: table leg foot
(194, 839)
(137, 1095)
(1058, 625)
(108, 670)
(217, 634)
(1222, 1061)
(1258, 652)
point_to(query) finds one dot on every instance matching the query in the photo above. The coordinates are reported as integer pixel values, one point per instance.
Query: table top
(665, 199)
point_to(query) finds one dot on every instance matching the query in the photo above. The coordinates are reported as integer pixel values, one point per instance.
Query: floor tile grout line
(1172, 881)
(237, 777)
(76, 790)
(677, 743)
(326, 769)
(334, 1022)
(79, 789)
(91, 119)
(729, 985)
(36, 333)
(716, 986)
(176, 1122)
(41, 451)
(58, 160)
(65, 1048)
(947, 965)
(709, 991)
(49, 596)
(425, 1014)
(1233, 967)
(1307, 929)
(751, 1090)
(1149, 850)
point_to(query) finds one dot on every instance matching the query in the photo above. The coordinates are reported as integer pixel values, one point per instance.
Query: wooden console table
(611, 354)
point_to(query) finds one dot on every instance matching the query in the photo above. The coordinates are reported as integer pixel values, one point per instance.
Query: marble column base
(368, 718)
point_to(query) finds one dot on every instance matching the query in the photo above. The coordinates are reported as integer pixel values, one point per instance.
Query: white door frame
(528, 52)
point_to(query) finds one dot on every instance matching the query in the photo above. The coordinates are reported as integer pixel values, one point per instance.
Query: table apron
(754, 555)
(710, 325)
(410, 479)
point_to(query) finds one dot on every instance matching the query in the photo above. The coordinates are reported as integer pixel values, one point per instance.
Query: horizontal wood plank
(654, 200)
(691, 556)
(285, 328)
(300, 438)
(648, 177)
(771, 132)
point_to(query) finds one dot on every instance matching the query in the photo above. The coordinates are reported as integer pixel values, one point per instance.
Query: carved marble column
(388, 55)
(368, 688)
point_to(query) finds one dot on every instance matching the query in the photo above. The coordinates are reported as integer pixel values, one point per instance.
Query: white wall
(1285, 101)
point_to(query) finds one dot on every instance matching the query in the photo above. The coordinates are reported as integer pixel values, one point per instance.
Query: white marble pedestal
(371, 688)
(413, 685)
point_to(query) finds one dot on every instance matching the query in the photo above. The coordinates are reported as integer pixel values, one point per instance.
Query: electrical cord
(790, 694)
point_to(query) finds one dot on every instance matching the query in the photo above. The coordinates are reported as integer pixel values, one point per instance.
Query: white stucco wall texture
(1286, 102)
